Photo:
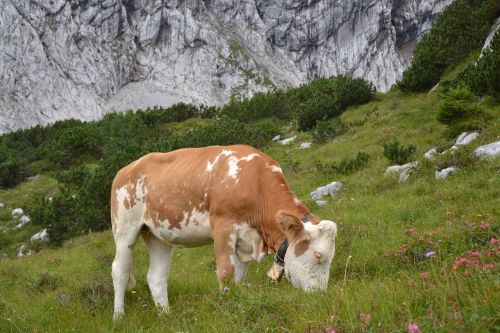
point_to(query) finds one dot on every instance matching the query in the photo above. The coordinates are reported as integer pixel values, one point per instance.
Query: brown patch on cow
(301, 247)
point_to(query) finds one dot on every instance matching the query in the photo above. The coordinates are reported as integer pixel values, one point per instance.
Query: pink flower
(467, 272)
(448, 212)
(485, 226)
(493, 240)
(488, 266)
(425, 275)
(473, 225)
(413, 328)
(474, 254)
(386, 254)
(368, 319)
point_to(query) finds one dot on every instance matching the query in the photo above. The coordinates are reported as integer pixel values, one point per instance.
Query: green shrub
(483, 77)
(261, 105)
(397, 153)
(326, 130)
(460, 111)
(345, 166)
(327, 98)
(461, 28)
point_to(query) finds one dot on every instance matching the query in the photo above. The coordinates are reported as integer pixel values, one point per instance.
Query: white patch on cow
(195, 230)
(307, 271)
(246, 243)
(233, 164)
(210, 165)
(274, 168)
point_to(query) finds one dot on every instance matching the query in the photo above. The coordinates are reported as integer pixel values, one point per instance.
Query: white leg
(160, 258)
(240, 268)
(120, 270)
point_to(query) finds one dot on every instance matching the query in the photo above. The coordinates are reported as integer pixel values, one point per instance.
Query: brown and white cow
(235, 197)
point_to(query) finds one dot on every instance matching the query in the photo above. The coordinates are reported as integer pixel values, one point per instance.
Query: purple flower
(226, 288)
(430, 254)
(413, 328)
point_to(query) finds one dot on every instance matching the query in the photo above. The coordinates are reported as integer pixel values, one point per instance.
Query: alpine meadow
(417, 205)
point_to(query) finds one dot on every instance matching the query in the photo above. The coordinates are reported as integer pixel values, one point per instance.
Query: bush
(327, 98)
(345, 166)
(261, 105)
(459, 110)
(326, 130)
(483, 77)
(397, 153)
(460, 29)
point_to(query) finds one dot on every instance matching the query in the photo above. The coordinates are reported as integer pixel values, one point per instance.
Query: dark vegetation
(460, 30)
(84, 157)
(397, 153)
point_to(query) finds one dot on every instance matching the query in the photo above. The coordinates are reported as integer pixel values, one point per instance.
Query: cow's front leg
(224, 244)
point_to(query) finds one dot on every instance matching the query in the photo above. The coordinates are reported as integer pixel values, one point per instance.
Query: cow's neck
(271, 231)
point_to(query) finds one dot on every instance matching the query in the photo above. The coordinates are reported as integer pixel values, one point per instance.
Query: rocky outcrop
(61, 59)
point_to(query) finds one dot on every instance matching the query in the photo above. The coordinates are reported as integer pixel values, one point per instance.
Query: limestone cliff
(82, 58)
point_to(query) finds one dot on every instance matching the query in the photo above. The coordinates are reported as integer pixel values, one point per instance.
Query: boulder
(17, 212)
(286, 141)
(400, 168)
(23, 251)
(331, 189)
(41, 236)
(430, 153)
(462, 140)
(277, 138)
(305, 145)
(321, 203)
(489, 150)
(25, 219)
(445, 172)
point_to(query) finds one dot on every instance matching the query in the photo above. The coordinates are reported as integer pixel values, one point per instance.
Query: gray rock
(277, 138)
(465, 138)
(305, 145)
(286, 141)
(23, 251)
(430, 153)
(321, 203)
(2, 205)
(489, 150)
(494, 29)
(404, 175)
(331, 189)
(32, 178)
(445, 172)
(400, 168)
(25, 219)
(17, 213)
(81, 59)
(41, 236)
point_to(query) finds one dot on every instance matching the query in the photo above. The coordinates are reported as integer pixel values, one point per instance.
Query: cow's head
(311, 248)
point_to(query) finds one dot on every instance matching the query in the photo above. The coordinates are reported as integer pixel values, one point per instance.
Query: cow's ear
(290, 223)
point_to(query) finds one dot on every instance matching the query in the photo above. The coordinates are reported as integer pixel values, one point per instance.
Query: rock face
(61, 59)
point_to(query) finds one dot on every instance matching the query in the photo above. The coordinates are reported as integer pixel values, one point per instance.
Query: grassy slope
(65, 289)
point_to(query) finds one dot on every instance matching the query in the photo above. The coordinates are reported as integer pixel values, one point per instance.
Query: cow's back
(174, 193)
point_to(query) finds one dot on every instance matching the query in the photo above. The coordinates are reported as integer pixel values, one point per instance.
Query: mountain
(81, 59)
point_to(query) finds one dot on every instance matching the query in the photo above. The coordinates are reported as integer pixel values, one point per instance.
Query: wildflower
(488, 266)
(462, 216)
(425, 275)
(449, 212)
(226, 288)
(409, 230)
(439, 241)
(386, 254)
(430, 254)
(485, 226)
(329, 329)
(467, 272)
(397, 254)
(413, 328)
(474, 254)
(493, 240)
(473, 225)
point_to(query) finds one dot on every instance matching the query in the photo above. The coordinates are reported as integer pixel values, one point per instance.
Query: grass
(380, 269)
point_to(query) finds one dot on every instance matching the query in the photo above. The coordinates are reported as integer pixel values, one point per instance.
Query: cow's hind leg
(160, 258)
(240, 268)
(125, 237)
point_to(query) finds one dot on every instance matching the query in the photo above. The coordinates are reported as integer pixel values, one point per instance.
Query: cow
(234, 196)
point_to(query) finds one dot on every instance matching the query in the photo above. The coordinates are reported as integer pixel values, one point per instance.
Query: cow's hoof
(117, 315)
